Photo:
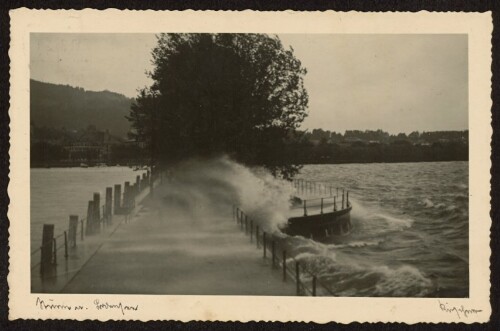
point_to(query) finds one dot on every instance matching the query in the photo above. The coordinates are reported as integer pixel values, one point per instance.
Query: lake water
(57, 193)
(410, 230)
(410, 222)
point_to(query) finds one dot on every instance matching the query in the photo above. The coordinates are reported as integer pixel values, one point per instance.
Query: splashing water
(410, 222)
(218, 183)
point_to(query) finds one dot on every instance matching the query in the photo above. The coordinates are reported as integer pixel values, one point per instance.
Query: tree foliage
(238, 94)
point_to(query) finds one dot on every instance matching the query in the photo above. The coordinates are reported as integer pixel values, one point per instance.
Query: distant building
(91, 146)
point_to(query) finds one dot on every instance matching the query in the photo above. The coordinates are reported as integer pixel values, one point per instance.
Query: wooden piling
(305, 208)
(321, 205)
(314, 286)
(138, 183)
(334, 203)
(73, 225)
(97, 212)
(90, 218)
(347, 198)
(246, 224)
(46, 249)
(342, 200)
(109, 205)
(118, 197)
(126, 197)
(54, 251)
(65, 245)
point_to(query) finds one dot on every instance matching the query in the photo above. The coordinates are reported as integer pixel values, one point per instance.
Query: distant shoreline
(305, 164)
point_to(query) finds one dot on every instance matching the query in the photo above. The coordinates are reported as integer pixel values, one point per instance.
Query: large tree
(238, 94)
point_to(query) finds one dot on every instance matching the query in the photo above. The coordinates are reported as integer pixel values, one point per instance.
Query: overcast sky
(398, 83)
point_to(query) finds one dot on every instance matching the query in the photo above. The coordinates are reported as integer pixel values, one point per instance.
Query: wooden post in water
(126, 197)
(321, 205)
(314, 286)
(297, 277)
(90, 218)
(46, 249)
(305, 208)
(73, 225)
(54, 251)
(138, 183)
(334, 203)
(109, 205)
(97, 212)
(144, 181)
(347, 198)
(118, 198)
(264, 242)
(342, 200)
(284, 265)
(65, 245)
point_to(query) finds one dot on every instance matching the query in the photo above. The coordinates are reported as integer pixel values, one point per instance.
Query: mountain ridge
(57, 106)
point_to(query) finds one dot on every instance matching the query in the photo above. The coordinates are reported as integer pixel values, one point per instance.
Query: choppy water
(410, 220)
(410, 235)
(56, 193)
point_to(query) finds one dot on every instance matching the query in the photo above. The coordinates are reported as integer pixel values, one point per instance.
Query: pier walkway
(164, 250)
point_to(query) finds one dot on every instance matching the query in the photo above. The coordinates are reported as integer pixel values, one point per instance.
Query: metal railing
(331, 202)
(307, 187)
(274, 248)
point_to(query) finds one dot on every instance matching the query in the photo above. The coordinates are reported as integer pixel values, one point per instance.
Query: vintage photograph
(249, 164)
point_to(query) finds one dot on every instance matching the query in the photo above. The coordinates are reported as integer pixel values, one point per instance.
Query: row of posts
(345, 203)
(94, 219)
(253, 230)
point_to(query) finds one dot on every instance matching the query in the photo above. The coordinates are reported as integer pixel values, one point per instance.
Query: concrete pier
(164, 251)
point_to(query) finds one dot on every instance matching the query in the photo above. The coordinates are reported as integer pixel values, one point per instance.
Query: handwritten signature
(51, 304)
(118, 305)
(460, 311)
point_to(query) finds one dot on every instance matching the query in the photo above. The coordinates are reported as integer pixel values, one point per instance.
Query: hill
(58, 106)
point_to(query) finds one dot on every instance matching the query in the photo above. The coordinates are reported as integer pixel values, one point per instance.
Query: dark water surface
(410, 231)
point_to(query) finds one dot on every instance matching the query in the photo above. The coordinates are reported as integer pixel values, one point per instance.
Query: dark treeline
(371, 136)
(63, 147)
(319, 146)
(50, 146)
